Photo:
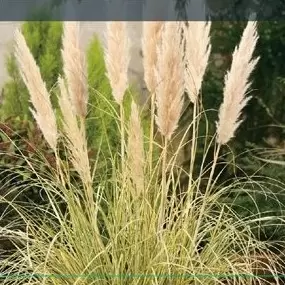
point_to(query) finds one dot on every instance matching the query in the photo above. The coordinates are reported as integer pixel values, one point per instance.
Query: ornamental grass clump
(131, 228)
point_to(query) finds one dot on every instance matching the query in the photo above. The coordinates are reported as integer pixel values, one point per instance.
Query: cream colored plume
(74, 67)
(136, 149)
(170, 80)
(150, 41)
(198, 48)
(237, 84)
(76, 141)
(117, 57)
(39, 96)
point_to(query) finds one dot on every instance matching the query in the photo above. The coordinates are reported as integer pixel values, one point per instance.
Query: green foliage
(15, 95)
(44, 41)
(102, 108)
(103, 111)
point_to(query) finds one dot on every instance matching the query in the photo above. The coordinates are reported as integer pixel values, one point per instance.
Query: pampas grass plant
(139, 234)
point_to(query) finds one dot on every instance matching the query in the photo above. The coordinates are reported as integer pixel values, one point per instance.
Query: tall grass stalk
(197, 52)
(169, 95)
(135, 150)
(151, 40)
(117, 68)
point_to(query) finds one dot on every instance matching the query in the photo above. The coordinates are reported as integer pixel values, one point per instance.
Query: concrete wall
(6, 36)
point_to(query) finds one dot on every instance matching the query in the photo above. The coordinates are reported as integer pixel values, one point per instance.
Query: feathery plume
(74, 67)
(169, 75)
(117, 58)
(40, 97)
(236, 85)
(75, 135)
(150, 40)
(198, 48)
(136, 149)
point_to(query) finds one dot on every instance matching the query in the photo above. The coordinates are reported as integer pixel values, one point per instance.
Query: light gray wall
(6, 35)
